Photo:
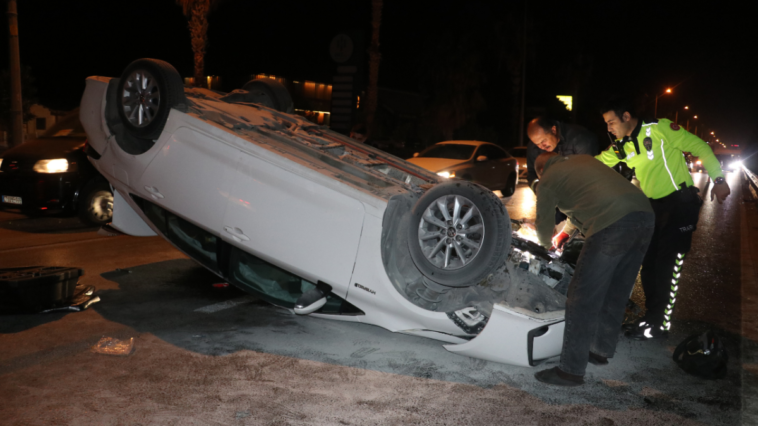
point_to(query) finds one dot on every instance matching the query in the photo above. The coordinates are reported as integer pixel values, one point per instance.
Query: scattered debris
(40, 289)
(113, 346)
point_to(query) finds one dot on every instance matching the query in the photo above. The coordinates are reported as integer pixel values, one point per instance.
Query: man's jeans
(602, 282)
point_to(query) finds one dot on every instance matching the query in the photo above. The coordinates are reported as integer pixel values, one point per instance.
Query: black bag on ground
(702, 355)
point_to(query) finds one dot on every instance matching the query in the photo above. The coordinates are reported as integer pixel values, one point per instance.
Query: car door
(191, 175)
(295, 218)
(488, 173)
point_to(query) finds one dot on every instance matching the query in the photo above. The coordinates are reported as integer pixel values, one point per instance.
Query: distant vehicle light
(699, 162)
(56, 165)
(444, 174)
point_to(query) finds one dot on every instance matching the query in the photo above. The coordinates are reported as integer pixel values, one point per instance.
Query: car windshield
(519, 151)
(67, 127)
(450, 151)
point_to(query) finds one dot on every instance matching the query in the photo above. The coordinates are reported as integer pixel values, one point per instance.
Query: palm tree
(375, 58)
(197, 12)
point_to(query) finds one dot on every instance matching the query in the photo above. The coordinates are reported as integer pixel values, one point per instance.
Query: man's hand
(560, 239)
(721, 191)
(528, 224)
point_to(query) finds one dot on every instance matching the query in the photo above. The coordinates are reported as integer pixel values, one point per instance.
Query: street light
(655, 110)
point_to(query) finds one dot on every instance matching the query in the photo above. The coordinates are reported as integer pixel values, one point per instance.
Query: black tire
(510, 187)
(493, 243)
(96, 204)
(144, 110)
(270, 93)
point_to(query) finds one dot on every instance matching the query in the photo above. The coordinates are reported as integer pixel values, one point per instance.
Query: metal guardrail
(752, 182)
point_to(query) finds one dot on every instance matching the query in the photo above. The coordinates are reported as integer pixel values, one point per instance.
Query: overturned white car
(311, 220)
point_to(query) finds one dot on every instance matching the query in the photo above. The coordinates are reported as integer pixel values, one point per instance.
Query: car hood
(44, 148)
(435, 164)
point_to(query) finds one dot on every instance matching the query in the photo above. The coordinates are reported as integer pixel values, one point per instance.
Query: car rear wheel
(458, 234)
(269, 93)
(147, 91)
(96, 206)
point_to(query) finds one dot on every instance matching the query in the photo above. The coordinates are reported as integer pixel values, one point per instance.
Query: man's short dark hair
(545, 123)
(619, 106)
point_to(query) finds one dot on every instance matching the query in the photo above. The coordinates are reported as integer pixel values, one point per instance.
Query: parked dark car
(480, 162)
(51, 175)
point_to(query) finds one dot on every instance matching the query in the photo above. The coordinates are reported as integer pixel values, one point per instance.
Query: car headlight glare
(444, 174)
(56, 165)
(734, 166)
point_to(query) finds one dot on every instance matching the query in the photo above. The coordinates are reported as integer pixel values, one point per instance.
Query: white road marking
(225, 305)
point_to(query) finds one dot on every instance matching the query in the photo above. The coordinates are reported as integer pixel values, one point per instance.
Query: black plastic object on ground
(702, 355)
(38, 288)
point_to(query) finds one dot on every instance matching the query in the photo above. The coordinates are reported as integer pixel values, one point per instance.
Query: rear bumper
(514, 337)
(39, 192)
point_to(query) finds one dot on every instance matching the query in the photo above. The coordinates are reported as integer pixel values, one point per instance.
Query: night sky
(705, 49)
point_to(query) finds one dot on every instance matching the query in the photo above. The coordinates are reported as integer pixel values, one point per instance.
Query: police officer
(654, 149)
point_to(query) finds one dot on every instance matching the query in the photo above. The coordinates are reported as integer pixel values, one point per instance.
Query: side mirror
(481, 158)
(415, 154)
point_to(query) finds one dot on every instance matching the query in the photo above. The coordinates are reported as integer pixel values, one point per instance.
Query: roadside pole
(16, 109)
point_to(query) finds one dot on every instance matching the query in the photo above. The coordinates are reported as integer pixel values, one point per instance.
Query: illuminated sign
(568, 100)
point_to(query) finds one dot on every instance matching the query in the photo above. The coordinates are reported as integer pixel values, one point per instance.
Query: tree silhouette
(197, 12)
(375, 58)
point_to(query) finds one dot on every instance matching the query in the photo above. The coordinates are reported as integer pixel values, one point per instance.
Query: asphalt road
(207, 355)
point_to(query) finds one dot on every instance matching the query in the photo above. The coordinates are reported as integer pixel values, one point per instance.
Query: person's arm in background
(608, 157)
(531, 154)
(586, 143)
(545, 222)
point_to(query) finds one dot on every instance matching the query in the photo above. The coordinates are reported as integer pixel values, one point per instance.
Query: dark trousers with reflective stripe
(675, 220)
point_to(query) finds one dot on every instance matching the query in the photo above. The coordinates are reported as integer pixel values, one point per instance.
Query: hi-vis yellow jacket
(660, 165)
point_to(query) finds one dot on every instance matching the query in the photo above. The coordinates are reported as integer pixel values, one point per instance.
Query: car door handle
(237, 234)
(154, 192)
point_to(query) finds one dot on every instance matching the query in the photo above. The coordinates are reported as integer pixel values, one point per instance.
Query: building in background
(212, 82)
(312, 100)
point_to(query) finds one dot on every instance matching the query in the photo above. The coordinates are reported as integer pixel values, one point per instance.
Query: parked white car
(310, 220)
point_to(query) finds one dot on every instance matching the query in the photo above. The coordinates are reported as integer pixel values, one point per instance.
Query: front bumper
(514, 336)
(39, 192)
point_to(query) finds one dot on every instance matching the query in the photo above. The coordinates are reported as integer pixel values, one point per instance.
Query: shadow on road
(44, 224)
(163, 299)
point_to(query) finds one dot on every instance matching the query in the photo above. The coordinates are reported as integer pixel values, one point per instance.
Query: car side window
(277, 286)
(492, 152)
(196, 242)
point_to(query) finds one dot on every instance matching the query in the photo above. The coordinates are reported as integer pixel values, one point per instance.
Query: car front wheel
(96, 206)
(459, 233)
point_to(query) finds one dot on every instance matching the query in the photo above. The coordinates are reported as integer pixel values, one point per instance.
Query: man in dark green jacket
(617, 221)
(654, 149)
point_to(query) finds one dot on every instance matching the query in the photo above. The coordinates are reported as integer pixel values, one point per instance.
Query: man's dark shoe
(597, 359)
(554, 376)
(631, 324)
(645, 331)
